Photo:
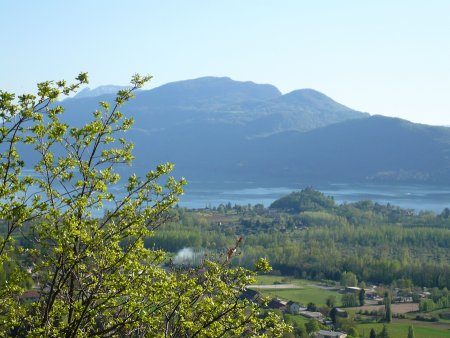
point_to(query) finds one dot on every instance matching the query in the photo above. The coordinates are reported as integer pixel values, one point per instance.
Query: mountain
(102, 90)
(301, 110)
(257, 109)
(207, 93)
(217, 129)
(375, 149)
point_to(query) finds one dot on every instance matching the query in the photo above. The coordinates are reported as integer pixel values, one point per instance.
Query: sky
(382, 57)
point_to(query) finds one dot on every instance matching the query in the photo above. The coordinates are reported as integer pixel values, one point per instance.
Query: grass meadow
(309, 291)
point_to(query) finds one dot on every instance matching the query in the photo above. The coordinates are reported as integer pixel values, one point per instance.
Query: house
(251, 295)
(312, 315)
(276, 303)
(341, 313)
(293, 307)
(371, 294)
(330, 334)
(425, 294)
(404, 299)
(352, 289)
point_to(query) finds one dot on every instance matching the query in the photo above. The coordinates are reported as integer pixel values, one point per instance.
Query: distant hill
(300, 110)
(376, 149)
(305, 200)
(217, 129)
(207, 93)
(256, 109)
(102, 90)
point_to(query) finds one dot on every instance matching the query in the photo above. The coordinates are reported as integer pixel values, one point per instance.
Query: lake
(200, 195)
(417, 197)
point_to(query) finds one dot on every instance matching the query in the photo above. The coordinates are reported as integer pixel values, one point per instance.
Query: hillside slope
(218, 129)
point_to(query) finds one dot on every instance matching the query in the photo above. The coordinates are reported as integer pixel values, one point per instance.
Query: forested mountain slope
(219, 129)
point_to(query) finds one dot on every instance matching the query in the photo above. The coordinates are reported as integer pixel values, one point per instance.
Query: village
(332, 319)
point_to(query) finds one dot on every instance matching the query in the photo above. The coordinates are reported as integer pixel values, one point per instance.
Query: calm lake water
(210, 194)
(408, 196)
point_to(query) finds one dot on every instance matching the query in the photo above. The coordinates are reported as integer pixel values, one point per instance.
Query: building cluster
(298, 309)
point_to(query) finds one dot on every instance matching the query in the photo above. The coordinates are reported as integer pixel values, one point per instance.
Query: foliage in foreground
(94, 277)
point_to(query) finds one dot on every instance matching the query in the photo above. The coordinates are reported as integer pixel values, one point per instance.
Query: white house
(330, 334)
(312, 315)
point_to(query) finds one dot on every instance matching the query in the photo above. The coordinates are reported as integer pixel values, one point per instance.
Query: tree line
(319, 239)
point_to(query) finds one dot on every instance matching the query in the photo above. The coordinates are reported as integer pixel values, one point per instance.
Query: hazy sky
(383, 57)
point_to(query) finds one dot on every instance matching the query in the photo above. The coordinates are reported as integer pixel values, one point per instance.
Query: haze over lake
(415, 197)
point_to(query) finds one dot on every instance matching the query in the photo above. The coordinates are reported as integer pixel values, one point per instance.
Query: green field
(304, 295)
(267, 279)
(300, 320)
(308, 293)
(399, 329)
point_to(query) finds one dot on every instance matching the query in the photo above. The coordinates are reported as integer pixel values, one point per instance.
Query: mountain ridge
(99, 91)
(218, 128)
